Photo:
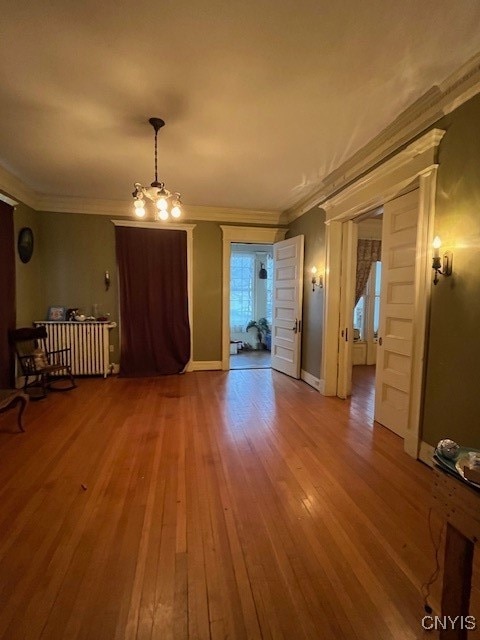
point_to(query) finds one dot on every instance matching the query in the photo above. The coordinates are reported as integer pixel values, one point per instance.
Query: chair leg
(23, 405)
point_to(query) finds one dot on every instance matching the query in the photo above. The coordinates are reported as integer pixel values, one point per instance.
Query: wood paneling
(213, 505)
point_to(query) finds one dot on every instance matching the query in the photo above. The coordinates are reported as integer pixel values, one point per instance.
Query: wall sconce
(441, 265)
(317, 281)
(107, 280)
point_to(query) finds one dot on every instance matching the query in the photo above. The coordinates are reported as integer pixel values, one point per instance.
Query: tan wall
(452, 405)
(77, 250)
(29, 281)
(207, 291)
(312, 226)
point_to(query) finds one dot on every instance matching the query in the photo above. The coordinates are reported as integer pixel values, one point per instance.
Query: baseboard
(310, 380)
(205, 365)
(426, 453)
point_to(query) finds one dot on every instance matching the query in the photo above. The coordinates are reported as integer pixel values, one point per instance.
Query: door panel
(394, 352)
(287, 306)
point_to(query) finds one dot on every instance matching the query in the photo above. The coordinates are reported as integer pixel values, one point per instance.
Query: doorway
(366, 311)
(251, 288)
(408, 285)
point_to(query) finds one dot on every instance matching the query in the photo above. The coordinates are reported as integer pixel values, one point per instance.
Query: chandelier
(167, 203)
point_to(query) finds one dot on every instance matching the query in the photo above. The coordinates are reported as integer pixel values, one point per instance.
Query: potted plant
(263, 330)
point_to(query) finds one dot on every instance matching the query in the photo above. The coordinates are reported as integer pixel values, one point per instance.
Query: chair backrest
(26, 339)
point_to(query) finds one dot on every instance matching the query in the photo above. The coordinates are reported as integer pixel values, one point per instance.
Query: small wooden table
(460, 506)
(11, 397)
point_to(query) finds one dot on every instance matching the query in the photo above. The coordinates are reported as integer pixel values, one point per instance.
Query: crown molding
(382, 183)
(18, 191)
(167, 226)
(437, 102)
(122, 208)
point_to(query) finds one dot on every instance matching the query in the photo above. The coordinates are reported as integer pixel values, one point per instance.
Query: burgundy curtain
(7, 294)
(155, 331)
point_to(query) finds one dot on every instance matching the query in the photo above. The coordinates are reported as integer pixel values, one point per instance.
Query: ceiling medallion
(167, 203)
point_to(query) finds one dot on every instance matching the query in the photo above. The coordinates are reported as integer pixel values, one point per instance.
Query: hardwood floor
(210, 505)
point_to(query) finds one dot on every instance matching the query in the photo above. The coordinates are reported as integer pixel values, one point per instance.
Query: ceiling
(262, 99)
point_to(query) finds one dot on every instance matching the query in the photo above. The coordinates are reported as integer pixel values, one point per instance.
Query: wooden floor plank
(214, 505)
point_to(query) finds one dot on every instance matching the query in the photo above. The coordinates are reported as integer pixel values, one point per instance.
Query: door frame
(415, 166)
(234, 234)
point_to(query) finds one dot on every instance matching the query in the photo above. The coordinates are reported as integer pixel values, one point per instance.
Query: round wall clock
(25, 244)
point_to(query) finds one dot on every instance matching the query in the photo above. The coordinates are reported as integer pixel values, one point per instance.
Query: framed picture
(25, 244)
(56, 313)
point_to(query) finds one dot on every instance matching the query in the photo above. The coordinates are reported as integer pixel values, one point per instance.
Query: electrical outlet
(111, 348)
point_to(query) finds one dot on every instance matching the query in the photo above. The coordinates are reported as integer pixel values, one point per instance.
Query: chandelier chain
(156, 172)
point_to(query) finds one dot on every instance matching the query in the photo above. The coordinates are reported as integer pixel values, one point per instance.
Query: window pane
(358, 314)
(376, 316)
(378, 277)
(241, 290)
(376, 306)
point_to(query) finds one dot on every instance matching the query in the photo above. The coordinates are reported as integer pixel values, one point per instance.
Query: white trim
(331, 312)
(310, 380)
(414, 166)
(7, 200)
(188, 228)
(386, 181)
(160, 226)
(205, 365)
(232, 233)
(440, 100)
(425, 453)
(16, 188)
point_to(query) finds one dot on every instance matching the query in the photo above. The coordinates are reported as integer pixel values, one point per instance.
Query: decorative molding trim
(7, 200)
(321, 387)
(437, 102)
(232, 233)
(426, 453)
(159, 226)
(260, 235)
(14, 187)
(205, 365)
(310, 380)
(17, 189)
(387, 179)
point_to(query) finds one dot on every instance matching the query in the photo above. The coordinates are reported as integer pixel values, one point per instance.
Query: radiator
(89, 344)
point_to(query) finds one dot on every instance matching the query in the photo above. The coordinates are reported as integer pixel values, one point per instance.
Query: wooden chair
(9, 398)
(41, 368)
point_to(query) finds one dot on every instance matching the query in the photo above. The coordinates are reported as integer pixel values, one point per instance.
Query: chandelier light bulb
(176, 211)
(163, 214)
(162, 204)
(140, 212)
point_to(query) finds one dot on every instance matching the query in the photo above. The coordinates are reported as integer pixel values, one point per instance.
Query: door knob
(295, 328)
(380, 341)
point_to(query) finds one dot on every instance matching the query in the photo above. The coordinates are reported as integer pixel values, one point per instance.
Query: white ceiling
(261, 98)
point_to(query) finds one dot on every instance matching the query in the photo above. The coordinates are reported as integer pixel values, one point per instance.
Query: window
(366, 315)
(269, 267)
(242, 267)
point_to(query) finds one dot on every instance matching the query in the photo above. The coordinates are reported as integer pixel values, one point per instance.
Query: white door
(397, 307)
(287, 306)
(347, 303)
